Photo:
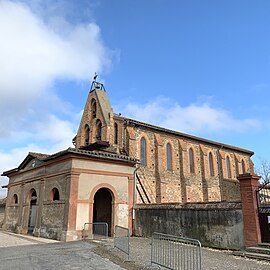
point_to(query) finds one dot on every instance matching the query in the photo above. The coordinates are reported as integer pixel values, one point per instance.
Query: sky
(198, 67)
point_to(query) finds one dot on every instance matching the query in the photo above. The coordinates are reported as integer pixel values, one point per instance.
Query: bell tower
(97, 122)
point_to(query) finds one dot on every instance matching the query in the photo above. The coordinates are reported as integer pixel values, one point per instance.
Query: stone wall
(52, 219)
(2, 215)
(214, 224)
(11, 217)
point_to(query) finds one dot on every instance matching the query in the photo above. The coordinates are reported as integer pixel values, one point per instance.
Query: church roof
(43, 158)
(104, 104)
(94, 154)
(184, 135)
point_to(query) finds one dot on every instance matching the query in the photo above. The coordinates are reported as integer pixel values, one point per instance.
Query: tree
(263, 170)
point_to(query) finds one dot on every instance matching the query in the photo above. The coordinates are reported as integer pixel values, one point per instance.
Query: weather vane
(95, 77)
(96, 85)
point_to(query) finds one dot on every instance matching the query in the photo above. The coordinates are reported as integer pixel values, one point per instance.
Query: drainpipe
(134, 196)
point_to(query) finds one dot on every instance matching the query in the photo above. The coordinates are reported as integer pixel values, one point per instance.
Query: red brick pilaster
(248, 185)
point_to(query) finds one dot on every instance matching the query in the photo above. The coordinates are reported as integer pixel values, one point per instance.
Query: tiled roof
(95, 153)
(38, 155)
(184, 135)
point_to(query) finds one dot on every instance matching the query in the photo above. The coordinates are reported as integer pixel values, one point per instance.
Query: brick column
(248, 185)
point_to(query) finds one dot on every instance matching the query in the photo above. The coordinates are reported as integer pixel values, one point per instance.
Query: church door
(102, 211)
(32, 212)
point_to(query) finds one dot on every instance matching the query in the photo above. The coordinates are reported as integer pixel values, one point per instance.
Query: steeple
(97, 119)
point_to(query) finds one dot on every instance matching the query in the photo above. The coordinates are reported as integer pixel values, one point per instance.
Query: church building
(117, 163)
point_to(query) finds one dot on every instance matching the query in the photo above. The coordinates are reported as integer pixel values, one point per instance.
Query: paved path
(31, 253)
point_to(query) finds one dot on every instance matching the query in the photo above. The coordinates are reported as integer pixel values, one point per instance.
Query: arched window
(32, 197)
(99, 133)
(191, 161)
(94, 108)
(87, 134)
(14, 199)
(115, 133)
(169, 156)
(211, 164)
(228, 164)
(143, 152)
(54, 195)
(243, 166)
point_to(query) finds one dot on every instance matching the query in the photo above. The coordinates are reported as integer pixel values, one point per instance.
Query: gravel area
(140, 257)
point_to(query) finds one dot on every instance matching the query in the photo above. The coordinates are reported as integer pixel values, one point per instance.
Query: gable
(32, 160)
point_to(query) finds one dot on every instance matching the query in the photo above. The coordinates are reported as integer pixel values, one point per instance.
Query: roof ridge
(189, 136)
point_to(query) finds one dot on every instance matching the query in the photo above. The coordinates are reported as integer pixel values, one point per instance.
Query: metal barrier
(96, 230)
(122, 239)
(173, 252)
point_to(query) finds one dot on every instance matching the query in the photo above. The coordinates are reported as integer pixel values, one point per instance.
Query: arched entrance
(102, 211)
(32, 199)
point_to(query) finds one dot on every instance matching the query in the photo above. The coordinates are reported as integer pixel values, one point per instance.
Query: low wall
(2, 214)
(214, 224)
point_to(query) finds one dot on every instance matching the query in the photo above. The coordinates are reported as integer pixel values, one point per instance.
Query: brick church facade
(174, 167)
(116, 164)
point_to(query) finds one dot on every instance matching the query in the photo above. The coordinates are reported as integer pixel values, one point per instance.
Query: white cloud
(39, 46)
(51, 131)
(34, 54)
(195, 118)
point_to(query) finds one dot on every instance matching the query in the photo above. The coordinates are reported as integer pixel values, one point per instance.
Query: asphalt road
(23, 253)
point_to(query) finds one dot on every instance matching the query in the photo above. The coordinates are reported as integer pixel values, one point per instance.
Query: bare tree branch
(264, 171)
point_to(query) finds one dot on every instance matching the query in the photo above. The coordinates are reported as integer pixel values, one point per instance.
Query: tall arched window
(191, 161)
(87, 134)
(169, 156)
(143, 152)
(211, 164)
(243, 166)
(228, 164)
(115, 133)
(94, 108)
(99, 132)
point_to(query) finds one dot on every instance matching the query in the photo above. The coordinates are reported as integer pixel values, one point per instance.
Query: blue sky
(199, 67)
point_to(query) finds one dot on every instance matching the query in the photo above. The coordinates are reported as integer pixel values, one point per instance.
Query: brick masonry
(248, 185)
(160, 184)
